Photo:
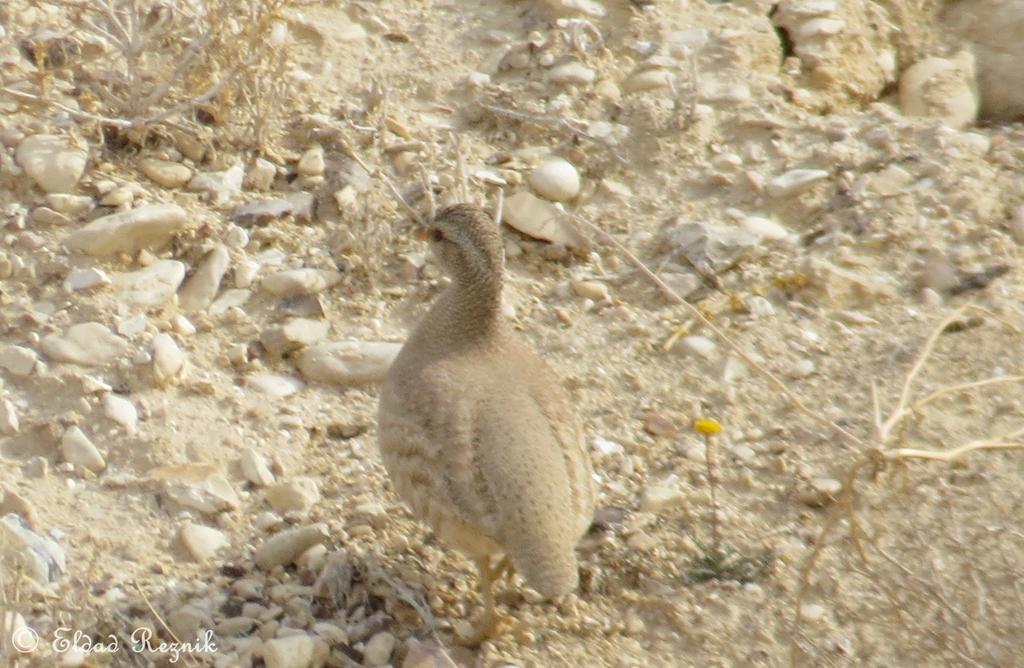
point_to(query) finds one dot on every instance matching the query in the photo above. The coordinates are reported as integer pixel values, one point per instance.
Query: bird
(477, 433)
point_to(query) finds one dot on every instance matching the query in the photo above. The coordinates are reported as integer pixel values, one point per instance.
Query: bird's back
(485, 441)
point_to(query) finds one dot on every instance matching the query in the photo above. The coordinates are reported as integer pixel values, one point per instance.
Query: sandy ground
(835, 293)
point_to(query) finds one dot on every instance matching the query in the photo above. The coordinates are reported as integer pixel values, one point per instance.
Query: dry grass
(129, 66)
(950, 587)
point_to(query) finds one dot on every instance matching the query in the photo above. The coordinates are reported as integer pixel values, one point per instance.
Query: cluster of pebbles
(136, 290)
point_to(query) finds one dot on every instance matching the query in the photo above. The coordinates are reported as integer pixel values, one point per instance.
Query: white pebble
(77, 449)
(84, 279)
(794, 181)
(555, 179)
(202, 542)
(802, 368)
(255, 469)
(168, 359)
(699, 346)
(121, 411)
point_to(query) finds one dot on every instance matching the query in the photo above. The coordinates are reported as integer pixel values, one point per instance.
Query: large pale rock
(153, 285)
(52, 162)
(541, 220)
(201, 288)
(87, 344)
(129, 232)
(348, 362)
(941, 88)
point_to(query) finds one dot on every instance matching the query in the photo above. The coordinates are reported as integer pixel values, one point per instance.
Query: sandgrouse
(477, 433)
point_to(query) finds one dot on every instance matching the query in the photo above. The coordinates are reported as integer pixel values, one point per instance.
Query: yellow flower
(707, 426)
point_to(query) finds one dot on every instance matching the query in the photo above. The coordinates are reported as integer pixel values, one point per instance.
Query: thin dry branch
(574, 126)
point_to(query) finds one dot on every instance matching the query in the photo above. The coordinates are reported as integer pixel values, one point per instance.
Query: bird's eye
(436, 235)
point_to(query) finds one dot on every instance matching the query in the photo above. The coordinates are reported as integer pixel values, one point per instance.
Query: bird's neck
(468, 310)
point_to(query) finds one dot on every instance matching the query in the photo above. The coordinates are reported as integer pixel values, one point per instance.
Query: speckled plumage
(477, 433)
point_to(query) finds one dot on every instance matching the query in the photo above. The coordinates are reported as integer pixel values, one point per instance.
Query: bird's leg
(489, 620)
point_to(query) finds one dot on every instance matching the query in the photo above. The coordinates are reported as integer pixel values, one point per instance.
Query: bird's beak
(421, 232)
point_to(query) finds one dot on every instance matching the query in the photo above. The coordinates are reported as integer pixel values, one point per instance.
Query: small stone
(261, 174)
(267, 521)
(574, 74)
(129, 232)
(183, 325)
(657, 424)
(152, 286)
(294, 282)
(695, 451)
(555, 179)
(132, 326)
(697, 346)
(168, 359)
(200, 487)
(594, 290)
(648, 80)
(802, 369)
(85, 279)
(201, 288)
(294, 334)
(229, 299)
(86, 344)
(297, 495)
(294, 651)
(44, 216)
(540, 219)
(77, 449)
(301, 205)
(765, 228)
(286, 546)
(1017, 225)
(347, 362)
(122, 411)
(274, 385)
(220, 185)
(820, 492)
(9, 424)
(938, 273)
(794, 182)
(710, 248)
(605, 447)
(255, 469)
(202, 542)
(663, 495)
(18, 360)
(245, 274)
(165, 173)
(39, 557)
(121, 197)
(70, 205)
(812, 612)
(378, 649)
(312, 162)
(52, 162)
